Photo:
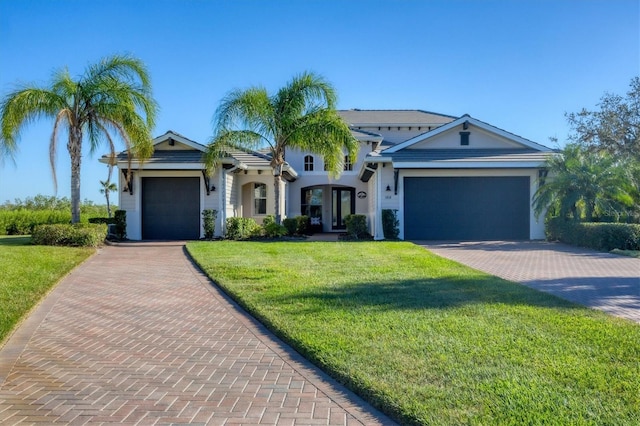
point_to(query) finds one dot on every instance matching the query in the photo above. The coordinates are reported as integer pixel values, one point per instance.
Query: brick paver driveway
(137, 335)
(598, 280)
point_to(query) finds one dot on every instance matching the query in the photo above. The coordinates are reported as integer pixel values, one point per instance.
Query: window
(347, 163)
(308, 163)
(259, 198)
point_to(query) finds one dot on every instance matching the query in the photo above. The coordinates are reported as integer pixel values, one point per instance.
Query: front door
(343, 204)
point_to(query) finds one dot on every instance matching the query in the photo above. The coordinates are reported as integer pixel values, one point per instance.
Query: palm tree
(300, 115)
(105, 188)
(112, 96)
(584, 184)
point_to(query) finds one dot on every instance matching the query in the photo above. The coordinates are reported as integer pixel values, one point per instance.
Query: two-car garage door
(466, 208)
(170, 208)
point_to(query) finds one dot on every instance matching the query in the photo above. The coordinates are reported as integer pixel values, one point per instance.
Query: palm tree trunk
(74, 148)
(106, 194)
(277, 179)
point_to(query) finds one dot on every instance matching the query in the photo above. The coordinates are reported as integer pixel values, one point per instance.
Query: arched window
(347, 164)
(308, 163)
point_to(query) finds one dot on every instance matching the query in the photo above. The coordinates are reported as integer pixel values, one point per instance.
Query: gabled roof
(409, 117)
(467, 158)
(192, 158)
(170, 134)
(471, 121)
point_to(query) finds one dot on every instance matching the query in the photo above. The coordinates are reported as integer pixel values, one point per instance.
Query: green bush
(268, 219)
(120, 217)
(105, 220)
(303, 225)
(390, 224)
(209, 222)
(241, 228)
(598, 236)
(77, 235)
(291, 225)
(23, 221)
(273, 230)
(357, 226)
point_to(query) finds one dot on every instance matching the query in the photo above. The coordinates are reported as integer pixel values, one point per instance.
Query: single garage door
(170, 208)
(466, 208)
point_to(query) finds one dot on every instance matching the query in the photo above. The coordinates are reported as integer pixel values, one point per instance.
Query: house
(448, 178)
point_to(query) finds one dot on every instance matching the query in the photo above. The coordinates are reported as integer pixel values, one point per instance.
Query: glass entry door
(343, 204)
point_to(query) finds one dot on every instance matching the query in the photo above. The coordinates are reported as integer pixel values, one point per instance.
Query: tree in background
(112, 96)
(597, 175)
(300, 115)
(105, 188)
(615, 128)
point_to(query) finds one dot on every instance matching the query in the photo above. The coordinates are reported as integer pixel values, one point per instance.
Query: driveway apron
(138, 335)
(602, 281)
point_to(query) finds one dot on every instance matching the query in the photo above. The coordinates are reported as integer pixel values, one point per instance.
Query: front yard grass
(27, 273)
(430, 341)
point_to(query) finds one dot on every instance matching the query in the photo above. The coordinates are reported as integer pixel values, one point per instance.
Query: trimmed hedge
(120, 217)
(357, 226)
(390, 224)
(77, 235)
(598, 236)
(105, 220)
(23, 221)
(209, 222)
(291, 225)
(241, 228)
(303, 225)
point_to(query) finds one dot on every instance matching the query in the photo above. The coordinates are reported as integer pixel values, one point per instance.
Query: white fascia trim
(487, 127)
(135, 165)
(470, 165)
(368, 160)
(287, 168)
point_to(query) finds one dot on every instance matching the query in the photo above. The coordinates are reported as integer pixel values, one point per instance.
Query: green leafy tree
(614, 128)
(300, 115)
(111, 97)
(583, 184)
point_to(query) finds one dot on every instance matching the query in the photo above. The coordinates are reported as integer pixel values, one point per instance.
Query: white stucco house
(449, 178)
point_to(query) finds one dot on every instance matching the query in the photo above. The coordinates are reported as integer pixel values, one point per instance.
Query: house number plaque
(362, 194)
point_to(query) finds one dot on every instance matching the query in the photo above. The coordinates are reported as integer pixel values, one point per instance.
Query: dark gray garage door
(170, 208)
(466, 208)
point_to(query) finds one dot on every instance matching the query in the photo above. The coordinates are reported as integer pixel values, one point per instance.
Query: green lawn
(430, 341)
(28, 272)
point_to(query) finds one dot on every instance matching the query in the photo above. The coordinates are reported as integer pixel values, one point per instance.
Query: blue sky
(518, 65)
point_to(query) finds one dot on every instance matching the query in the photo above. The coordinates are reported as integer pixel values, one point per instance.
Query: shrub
(598, 236)
(241, 228)
(357, 226)
(291, 225)
(303, 225)
(105, 220)
(390, 224)
(77, 235)
(273, 230)
(209, 222)
(120, 217)
(268, 219)
(23, 221)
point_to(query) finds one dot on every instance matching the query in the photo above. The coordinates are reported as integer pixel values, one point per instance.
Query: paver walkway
(138, 335)
(598, 280)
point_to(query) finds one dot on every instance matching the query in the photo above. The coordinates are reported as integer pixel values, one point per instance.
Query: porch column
(377, 225)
